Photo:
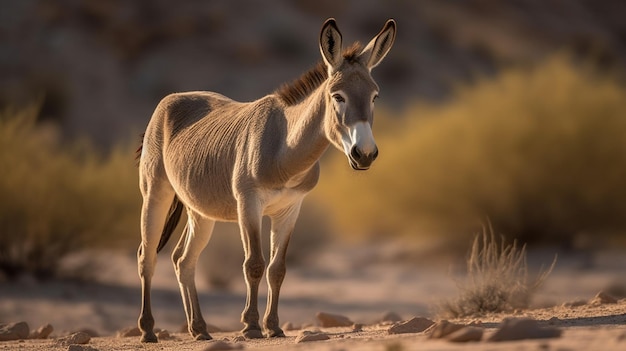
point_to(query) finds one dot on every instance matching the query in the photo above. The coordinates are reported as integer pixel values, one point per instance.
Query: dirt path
(586, 327)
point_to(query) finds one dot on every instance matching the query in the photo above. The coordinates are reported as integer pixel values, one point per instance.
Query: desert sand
(361, 285)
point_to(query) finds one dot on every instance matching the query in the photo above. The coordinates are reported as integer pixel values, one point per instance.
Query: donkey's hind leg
(156, 203)
(185, 257)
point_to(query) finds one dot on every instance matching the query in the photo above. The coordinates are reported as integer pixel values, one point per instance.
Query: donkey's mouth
(356, 166)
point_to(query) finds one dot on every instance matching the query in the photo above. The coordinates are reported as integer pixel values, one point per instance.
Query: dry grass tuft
(497, 278)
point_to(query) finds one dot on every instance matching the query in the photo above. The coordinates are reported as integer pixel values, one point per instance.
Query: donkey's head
(351, 91)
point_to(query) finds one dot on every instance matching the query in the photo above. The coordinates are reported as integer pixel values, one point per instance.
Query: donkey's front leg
(282, 227)
(250, 215)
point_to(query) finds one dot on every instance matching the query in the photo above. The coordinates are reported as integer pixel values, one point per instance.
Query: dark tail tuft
(173, 217)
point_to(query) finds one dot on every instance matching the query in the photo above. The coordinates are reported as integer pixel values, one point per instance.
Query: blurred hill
(100, 66)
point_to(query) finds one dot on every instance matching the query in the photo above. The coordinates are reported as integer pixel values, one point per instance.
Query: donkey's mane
(294, 92)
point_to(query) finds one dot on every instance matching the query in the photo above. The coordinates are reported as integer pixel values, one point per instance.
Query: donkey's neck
(305, 140)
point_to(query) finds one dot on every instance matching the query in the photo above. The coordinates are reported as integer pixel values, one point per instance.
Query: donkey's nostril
(375, 154)
(354, 152)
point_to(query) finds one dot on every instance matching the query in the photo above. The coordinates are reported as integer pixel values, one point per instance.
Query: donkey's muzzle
(360, 160)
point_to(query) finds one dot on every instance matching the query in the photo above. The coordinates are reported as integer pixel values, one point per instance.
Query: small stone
(442, 328)
(42, 332)
(602, 298)
(415, 325)
(328, 320)
(164, 335)
(357, 327)
(308, 335)
(76, 338)
(14, 331)
(89, 331)
(75, 347)
(219, 345)
(466, 334)
(129, 332)
(391, 317)
(523, 328)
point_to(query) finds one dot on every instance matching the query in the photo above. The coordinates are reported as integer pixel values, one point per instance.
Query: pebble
(466, 334)
(329, 320)
(14, 331)
(574, 303)
(602, 298)
(76, 338)
(129, 332)
(219, 345)
(415, 325)
(42, 332)
(442, 329)
(75, 347)
(523, 328)
(308, 335)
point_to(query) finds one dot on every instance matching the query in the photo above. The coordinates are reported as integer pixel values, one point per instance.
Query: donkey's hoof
(252, 334)
(204, 336)
(149, 337)
(278, 333)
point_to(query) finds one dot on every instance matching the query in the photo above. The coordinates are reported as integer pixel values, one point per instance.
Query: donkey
(223, 160)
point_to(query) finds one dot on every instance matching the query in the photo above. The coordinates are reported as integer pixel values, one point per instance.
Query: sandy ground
(340, 282)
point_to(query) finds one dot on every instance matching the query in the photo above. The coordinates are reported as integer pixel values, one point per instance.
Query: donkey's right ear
(330, 44)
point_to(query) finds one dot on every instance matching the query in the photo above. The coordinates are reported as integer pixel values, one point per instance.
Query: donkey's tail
(173, 217)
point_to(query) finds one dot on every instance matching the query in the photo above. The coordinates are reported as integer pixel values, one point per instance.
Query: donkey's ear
(330, 44)
(378, 48)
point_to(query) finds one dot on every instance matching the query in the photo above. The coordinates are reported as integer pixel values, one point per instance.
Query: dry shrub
(59, 198)
(497, 279)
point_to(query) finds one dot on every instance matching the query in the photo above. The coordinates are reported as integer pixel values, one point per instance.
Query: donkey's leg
(282, 227)
(250, 214)
(156, 203)
(185, 257)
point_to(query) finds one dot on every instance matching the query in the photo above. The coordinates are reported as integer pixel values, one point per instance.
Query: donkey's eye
(338, 98)
(375, 97)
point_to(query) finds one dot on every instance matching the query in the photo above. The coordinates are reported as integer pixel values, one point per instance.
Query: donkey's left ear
(379, 47)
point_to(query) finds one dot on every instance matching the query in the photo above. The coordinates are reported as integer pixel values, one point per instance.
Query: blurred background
(511, 113)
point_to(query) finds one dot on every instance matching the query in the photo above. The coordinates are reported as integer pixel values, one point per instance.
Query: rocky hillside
(100, 66)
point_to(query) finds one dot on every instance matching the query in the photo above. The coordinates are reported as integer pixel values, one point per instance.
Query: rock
(14, 331)
(391, 317)
(328, 320)
(415, 325)
(42, 332)
(442, 328)
(90, 332)
(218, 345)
(602, 298)
(129, 332)
(76, 347)
(76, 338)
(523, 328)
(164, 335)
(308, 335)
(357, 327)
(466, 334)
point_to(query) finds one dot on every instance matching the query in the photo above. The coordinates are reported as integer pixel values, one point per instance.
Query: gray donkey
(224, 160)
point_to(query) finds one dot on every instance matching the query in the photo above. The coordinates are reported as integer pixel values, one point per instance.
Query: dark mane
(294, 92)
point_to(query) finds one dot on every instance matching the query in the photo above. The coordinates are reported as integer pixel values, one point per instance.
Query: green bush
(57, 199)
(540, 152)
